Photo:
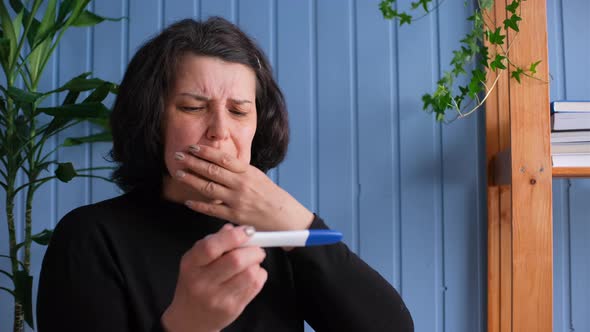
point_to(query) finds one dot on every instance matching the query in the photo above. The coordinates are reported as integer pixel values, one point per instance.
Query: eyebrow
(204, 98)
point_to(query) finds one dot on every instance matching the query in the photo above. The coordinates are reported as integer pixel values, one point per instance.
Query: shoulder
(88, 220)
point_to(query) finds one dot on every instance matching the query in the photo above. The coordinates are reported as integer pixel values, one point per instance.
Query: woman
(197, 123)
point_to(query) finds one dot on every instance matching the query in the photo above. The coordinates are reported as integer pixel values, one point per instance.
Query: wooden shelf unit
(520, 225)
(571, 172)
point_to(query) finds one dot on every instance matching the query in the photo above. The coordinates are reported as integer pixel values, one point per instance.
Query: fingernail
(178, 155)
(249, 230)
(194, 148)
(188, 203)
(180, 173)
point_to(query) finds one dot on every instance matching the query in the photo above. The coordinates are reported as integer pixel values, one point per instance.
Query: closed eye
(238, 113)
(191, 109)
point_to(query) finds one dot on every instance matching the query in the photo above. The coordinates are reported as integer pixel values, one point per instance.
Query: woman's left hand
(247, 195)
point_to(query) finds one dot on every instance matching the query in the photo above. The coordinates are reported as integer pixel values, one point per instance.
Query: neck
(179, 192)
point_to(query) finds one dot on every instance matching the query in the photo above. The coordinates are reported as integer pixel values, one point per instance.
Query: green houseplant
(27, 41)
(485, 48)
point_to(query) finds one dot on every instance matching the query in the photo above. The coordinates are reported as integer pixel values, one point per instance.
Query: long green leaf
(17, 22)
(23, 283)
(41, 238)
(23, 96)
(100, 93)
(18, 6)
(8, 291)
(4, 52)
(80, 83)
(88, 18)
(8, 30)
(6, 273)
(77, 111)
(48, 20)
(104, 136)
(65, 8)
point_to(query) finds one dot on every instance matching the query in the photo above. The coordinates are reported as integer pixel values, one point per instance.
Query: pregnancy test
(305, 238)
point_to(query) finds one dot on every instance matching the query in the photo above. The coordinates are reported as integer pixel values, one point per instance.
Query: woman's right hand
(217, 279)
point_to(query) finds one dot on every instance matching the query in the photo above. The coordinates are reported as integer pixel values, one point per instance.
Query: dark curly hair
(137, 114)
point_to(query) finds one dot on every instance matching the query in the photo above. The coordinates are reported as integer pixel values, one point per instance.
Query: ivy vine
(474, 52)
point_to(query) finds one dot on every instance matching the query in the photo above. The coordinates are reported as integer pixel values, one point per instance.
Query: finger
(218, 157)
(206, 187)
(244, 286)
(215, 245)
(234, 262)
(214, 209)
(207, 170)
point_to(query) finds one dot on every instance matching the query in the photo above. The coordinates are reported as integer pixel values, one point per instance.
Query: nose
(217, 129)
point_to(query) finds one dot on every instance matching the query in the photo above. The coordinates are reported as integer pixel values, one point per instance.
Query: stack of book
(570, 133)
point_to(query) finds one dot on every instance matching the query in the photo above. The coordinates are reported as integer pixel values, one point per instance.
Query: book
(569, 148)
(570, 106)
(570, 121)
(570, 136)
(571, 160)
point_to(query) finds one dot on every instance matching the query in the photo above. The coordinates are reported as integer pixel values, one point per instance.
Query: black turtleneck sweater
(113, 266)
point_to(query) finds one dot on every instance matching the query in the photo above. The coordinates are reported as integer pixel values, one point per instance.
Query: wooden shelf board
(571, 172)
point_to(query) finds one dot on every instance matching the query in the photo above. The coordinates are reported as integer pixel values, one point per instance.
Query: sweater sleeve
(337, 291)
(80, 286)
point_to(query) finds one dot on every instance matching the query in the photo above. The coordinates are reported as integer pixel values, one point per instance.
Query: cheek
(244, 142)
(178, 135)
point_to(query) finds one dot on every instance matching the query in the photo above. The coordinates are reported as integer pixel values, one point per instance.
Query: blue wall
(408, 193)
(569, 62)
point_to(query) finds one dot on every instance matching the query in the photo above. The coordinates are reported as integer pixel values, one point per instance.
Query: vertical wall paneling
(223, 8)
(180, 9)
(406, 191)
(335, 116)
(258, 19)
(579, 259)
(419, 170)
(73, 61)
(378, 220)
(109, 48)
(295, 57)
(144, 20)
(460, 192)
(561, 268)
(576, 52)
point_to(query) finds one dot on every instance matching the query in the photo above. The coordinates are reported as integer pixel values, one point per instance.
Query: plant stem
(19, 317)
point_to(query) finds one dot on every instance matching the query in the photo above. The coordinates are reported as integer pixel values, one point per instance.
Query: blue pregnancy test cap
(322, 236)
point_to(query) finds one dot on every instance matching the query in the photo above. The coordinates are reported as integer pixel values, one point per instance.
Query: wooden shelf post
(520, 257)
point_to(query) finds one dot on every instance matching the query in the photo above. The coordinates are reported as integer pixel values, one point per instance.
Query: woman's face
(211, 103)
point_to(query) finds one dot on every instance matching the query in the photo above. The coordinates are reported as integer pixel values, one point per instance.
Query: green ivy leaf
(423, 3)
(405, 18)
(65, 172)
(533, 68)
(516, 74)
(386, 10)
(513, 6)
(496, 37)
(512, 22)
(498, 62)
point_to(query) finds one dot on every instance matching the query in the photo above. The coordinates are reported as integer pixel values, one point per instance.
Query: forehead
(214, 77)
